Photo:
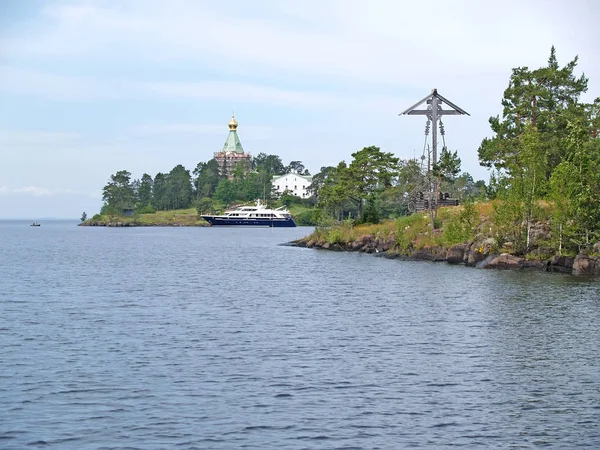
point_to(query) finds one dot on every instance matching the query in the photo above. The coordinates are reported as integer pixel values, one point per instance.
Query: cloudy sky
(88, 88)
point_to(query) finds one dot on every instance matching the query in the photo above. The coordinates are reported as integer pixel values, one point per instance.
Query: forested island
(541, 204)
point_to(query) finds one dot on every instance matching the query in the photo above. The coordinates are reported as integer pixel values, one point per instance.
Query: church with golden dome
(232, 152)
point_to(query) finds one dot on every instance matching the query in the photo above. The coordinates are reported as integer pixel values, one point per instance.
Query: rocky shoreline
(465, 254)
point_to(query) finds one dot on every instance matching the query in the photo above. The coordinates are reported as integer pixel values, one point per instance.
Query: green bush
(305, 218)
(148, 209)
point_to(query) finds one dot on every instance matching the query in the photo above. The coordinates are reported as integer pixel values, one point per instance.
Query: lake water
(214, 338)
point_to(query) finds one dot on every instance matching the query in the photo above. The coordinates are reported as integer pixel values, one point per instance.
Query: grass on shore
(178, 217)
(454, 225)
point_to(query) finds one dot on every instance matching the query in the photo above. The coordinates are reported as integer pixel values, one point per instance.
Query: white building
(294, 183)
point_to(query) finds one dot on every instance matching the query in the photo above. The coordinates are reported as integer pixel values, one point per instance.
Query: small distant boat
(253, 216)
(35, 224)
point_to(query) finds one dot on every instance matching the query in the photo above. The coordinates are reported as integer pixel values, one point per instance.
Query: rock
(473, 257)
(310, 244)
(429, 254)
(586, 265)
(503, 261)
(561, 264)
(489, 245)
(326, 246)
(533, 264)
(456, 254)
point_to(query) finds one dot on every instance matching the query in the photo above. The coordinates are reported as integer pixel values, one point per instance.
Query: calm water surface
(213, 338)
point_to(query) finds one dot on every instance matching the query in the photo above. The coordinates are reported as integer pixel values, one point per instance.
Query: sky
(88, 88)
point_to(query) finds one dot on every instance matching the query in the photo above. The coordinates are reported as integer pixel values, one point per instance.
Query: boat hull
(250, 222)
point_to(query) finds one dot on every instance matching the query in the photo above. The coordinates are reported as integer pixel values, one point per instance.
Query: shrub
(305, 218)
(148, 209)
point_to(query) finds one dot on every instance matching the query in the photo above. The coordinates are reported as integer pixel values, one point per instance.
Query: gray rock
(456, 254)
(561, 264)
(503, 261)
(473, 258)
(586, 265)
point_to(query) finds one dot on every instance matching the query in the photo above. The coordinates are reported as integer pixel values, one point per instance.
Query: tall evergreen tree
(145, 190)
(119, 194)
(545, 99)
(178, 188)
(159, 198)
(207, 178)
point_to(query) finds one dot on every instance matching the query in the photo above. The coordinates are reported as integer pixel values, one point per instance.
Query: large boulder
(586, 265)
(456, 254)
(533, 264)
(473, 257)
(503, 261)
(562, 264)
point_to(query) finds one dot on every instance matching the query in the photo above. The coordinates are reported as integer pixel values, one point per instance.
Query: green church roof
(233, 144)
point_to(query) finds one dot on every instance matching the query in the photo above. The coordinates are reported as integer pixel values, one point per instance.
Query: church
(232, 152)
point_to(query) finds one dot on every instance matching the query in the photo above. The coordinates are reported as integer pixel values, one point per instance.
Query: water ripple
(221, 339)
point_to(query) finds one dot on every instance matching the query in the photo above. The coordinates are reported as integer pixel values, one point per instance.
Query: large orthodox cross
(434, 112)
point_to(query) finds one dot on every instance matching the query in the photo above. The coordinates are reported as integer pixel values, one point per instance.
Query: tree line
(206, 187)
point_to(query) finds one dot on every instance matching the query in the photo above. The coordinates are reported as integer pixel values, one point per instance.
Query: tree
(370, 172)
(332, 194)
(402, 198)
(83, 217)
(118, 194)
(207, 178)
(287, 198)
(225, 192)
(574, 186)
(319, 179)
(295, 166)
(255, 185)
(159, 198)
(204, 205)
(178, 188)
(545, 99)
(145, 190)
(270, 163)
(445, 169)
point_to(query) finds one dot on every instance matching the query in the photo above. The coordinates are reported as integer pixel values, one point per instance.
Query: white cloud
(17, 138)
(397, 42)
(37, 191)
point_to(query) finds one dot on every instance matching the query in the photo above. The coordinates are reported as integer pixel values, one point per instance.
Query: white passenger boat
(254, 216)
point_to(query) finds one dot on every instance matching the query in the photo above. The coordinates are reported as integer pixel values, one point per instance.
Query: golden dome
(233, 123)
